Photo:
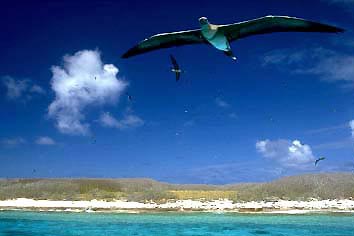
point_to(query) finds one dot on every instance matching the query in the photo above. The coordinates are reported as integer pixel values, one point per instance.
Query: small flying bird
(319, 159)
(130, 98)
(175, 67)
(93, 139)
(220, 36)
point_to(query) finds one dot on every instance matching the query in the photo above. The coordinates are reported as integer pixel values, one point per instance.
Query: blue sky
(287, 100)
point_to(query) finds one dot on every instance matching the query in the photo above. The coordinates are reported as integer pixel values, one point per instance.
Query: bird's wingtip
(330, 28)
(129, 54)
(126, 54)
(340, 30)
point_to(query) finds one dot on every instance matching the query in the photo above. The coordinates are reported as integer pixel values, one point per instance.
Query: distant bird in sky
(175, 67)
(93, 139)
(130, 98)
(220, 36)
(319, 159)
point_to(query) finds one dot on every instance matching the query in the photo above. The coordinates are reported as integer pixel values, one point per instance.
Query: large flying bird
(220, 36)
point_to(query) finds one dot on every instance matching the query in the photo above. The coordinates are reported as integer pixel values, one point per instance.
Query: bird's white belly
(220, 42)
(217, 39)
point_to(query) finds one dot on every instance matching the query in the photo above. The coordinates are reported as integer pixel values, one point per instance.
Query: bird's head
(203, 21)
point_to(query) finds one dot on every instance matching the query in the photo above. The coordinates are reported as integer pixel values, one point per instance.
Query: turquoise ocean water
(21, 223)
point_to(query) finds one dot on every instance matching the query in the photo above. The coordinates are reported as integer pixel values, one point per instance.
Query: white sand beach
(281, 206)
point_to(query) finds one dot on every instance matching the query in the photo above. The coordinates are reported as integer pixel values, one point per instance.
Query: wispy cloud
(230, 173)
(329, 129)
(345, 40)
(341, 1)
(128, 121)
(37, 89)
(336, 67)
(283, 56)
(13, 142)
(221, 103)
(339, 144)
(20, 89)
(189, 123)
(233, 115)
(327, 64)
(82, 82)
(346, 5)
(45, 140)
(345, 142)
(288, 154)
(351, 125)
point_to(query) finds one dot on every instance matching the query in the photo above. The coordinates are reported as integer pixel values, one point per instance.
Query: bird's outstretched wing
(178, 74)
(316, 162)
(319, 159)
(174, 62)
(165, 40)
(272, 24)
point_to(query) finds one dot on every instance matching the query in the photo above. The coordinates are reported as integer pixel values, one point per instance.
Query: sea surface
(20, 223)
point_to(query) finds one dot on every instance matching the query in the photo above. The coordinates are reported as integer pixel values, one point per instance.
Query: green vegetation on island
(302, 187)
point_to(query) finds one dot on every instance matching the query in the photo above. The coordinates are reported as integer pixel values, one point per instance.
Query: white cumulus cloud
(44, 140)
(128, 121)
(292, 154)
(83, 81)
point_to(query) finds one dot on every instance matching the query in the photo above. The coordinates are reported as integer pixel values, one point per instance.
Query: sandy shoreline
(218, 206)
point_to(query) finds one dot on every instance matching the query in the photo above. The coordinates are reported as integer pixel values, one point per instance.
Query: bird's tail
(230, 54)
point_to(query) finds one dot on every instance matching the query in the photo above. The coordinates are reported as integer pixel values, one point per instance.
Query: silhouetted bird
(94, 140)
(319, 159)
(175, 67)
(130, 98)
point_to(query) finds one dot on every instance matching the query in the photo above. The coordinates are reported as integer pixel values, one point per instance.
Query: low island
(309, 193)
